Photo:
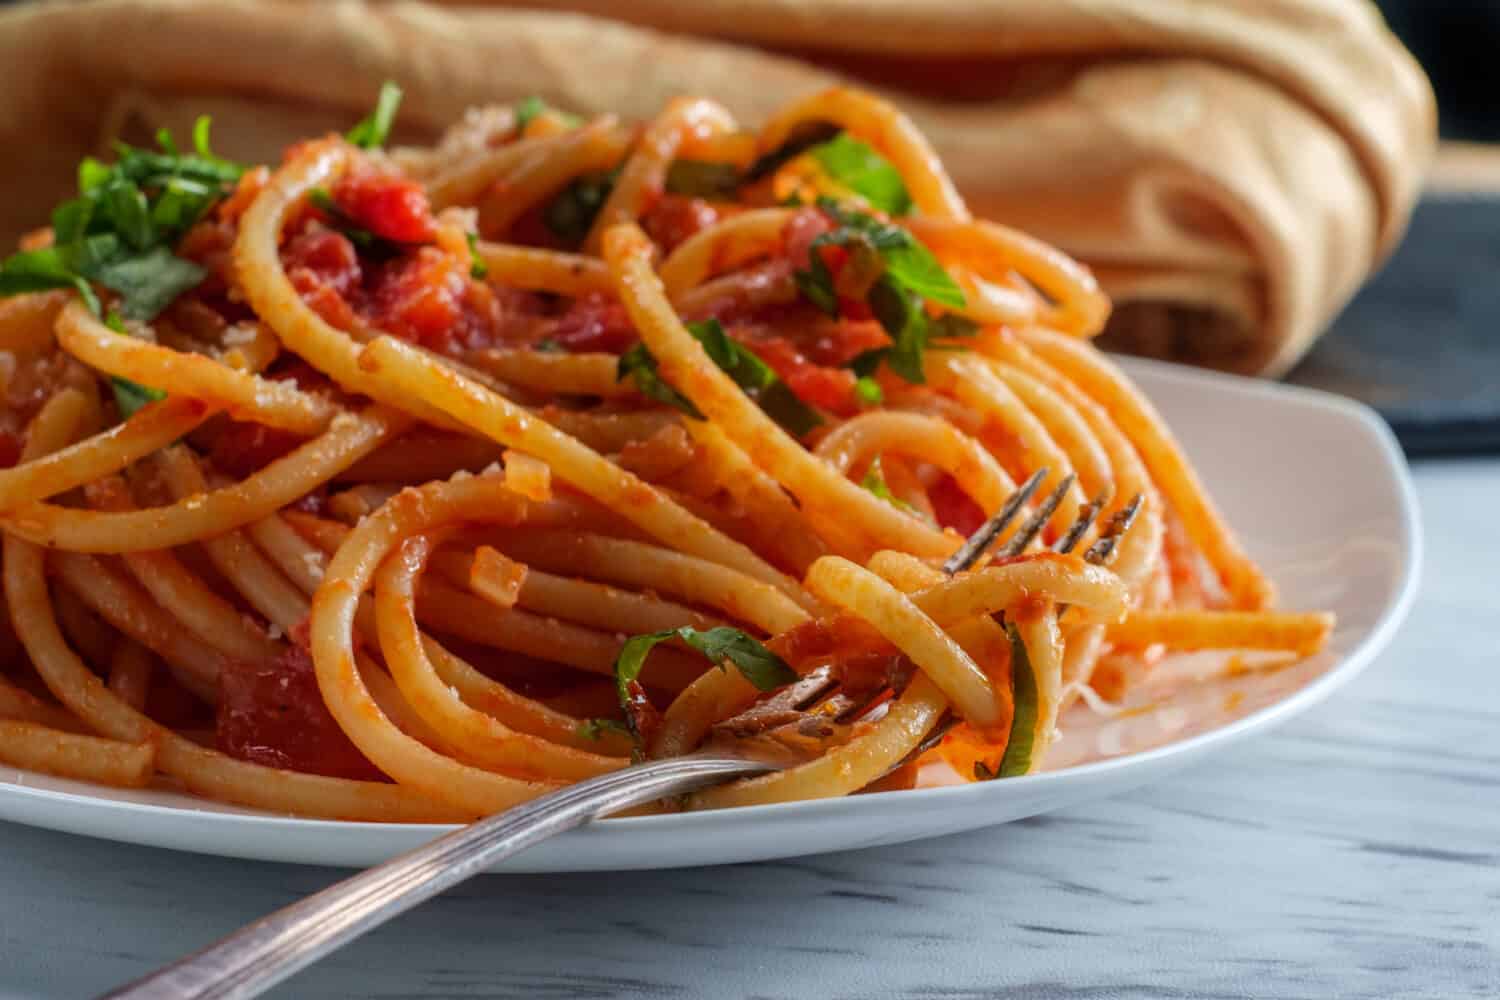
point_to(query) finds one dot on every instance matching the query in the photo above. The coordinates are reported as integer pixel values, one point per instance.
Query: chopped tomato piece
(327, 257)
(799, 232)
(273, 714)
(595, 323)
(420, 298)
(242, 449)
(675, 219)
(386, 204)
(822, 385)
(953, 508)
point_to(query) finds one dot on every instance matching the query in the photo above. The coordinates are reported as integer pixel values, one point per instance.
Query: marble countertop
(1353, 853)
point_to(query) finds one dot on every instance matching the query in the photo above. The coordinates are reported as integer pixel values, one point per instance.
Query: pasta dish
(408, 484)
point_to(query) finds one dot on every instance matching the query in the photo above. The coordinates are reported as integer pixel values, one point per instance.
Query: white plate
(1316, 487)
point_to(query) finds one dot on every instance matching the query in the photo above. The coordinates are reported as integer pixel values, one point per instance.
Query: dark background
(1458, 42)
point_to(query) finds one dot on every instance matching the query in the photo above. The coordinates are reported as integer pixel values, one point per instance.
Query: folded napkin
(1232, 170)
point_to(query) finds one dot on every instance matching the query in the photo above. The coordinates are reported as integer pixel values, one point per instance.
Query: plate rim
(70, 805)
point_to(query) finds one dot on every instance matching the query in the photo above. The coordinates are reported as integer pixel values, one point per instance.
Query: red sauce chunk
(325, 270)
(10, 449)
(386, 204)
(954, 508)
(273, 714)
(594, 323)
(675, 218)
(243, 449)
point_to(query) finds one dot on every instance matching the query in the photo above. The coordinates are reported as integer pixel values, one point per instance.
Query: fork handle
(260, 955)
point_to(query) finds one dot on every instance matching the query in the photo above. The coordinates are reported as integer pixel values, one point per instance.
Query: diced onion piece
(528, 476)
(496, 578)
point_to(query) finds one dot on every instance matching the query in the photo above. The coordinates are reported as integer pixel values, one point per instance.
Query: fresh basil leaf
(759, 665)
(702, 179)
(858, 167)
(911, 276)
(816, 285)
(1021, 743)
(149, 282)
(802, 138)
(868, 391)
(901, 314)
(43, 270)
(738, 362)
(126, 207)
(785, 407)
(758, 379)
(166, 142)
(150, 169)
(70, 220)
(180, 204)
(478, 269)
(951, 326)
(571, 214)
(640, 364)
(131, 396)
(917, 270)
(374, 130)
(91, 174)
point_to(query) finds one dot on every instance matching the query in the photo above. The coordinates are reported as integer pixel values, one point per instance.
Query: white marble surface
(1353, 853)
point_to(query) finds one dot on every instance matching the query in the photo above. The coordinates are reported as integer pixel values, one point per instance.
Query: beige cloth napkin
(1232, 169)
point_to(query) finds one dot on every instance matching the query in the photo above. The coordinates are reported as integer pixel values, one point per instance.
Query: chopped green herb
(1018, 748)
(740, 363)
(702, 179)
(549, 345)
(149, 282)
(131, 396)
(571, 214)
(478, 269)
(759, 665)
(593, 729)
(369, 243)
(868, 391)
(640, 364)
(858, 167)
(120, 230)
(874, 481)
(374, 130)
(529, 108)
(911, 277)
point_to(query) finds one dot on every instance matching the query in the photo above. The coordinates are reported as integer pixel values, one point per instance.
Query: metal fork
(260, 955)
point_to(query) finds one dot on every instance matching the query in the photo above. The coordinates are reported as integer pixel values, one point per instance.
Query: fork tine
(1023, 536)
(968, 553)
(1086, 515)
(1101, 550)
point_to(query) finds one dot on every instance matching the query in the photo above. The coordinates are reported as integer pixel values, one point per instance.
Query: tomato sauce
(674, 219)
(388, 205)
(10, 449)
(273, 714)
(954, 508)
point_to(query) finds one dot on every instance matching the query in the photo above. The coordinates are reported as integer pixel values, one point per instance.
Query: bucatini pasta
(409, 485)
